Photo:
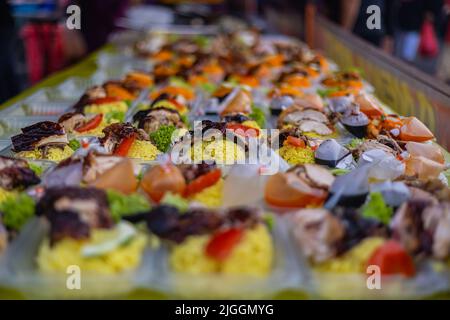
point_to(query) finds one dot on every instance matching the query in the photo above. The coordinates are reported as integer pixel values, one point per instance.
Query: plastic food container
(18, 270)
(284, 276)
(332, 285)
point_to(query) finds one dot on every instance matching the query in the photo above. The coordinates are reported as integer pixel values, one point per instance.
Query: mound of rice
(211, 197)
(106, 107)
(53, 154)
(98, 132)
(353, 261)
(222, 151)
(252, 256)
(67, 252)
(143, 150)
(296, 155)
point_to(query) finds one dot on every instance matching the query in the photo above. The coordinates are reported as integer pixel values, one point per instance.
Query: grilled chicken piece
(95, 165)
(116, 132)
(308, 114)
(12, 178)
(193, 171)
(314, 126)
(91, 94)
(73, 211)
(39, 135)
(318, 233)
(72, 120)
(155, 118)
(314, 175)
(237, 117)
(7, 162)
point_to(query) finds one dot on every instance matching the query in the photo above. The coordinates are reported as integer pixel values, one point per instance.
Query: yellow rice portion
(68, 252)
(252, 256)
(5, 194)
(211, 197)
(53, 154)
(143, 150)
(222, 151)
(315, 135)
(98, 132)
(296, 155)
(353, 261)
(106, 107)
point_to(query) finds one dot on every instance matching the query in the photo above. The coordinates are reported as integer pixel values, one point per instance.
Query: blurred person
(98, 20)
(444, 62)
(8, 82)
(410, 16)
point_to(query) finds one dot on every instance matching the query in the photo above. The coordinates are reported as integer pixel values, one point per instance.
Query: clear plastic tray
(18, 270)
(284, 276)
(330, 285)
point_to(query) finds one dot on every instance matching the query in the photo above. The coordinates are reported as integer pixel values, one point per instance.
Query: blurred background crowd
(35, 41)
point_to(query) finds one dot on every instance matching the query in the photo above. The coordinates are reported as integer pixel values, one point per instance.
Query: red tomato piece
(105, 100)
(222, 243)
(203, 182)
(243, 130)
(392, 258)
(91, 124)
(124, 146)
(296, 142)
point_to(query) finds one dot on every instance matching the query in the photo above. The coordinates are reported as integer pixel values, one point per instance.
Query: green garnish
(209, 87)
(201, 41)
(74, 144)
(269, 220)
(17, 210)
(355, 143)
(377, 209)
(162, 138)
(258, 116)
(176, 200)
(185, 120)
(122, 205)
(179, 82)
(115, 115)
(326, 92)
(38, 170)
(339, 172)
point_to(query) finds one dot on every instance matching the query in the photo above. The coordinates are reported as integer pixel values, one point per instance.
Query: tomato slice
(105, 100)
(91, 124)
(295, 142)
(124, 146)
(203, 182)
(243, 130)
(221, 245)
(392, 258)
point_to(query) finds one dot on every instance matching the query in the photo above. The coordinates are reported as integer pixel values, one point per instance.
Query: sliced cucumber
(123, 232)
